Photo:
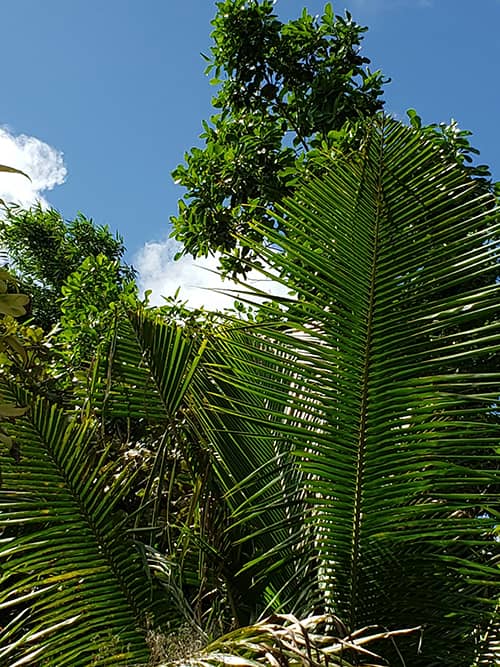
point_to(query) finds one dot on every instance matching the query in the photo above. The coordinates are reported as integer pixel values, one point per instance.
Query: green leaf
(7, 411)
(74, 589)
(415, 119)
(13, 304)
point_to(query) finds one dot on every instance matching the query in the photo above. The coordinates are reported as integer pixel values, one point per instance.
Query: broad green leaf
(13, 304)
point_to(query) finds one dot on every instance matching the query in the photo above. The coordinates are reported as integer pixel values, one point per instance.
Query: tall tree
(284, 89)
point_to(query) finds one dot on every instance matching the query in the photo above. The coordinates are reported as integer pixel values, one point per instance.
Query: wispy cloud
(43, 163)
(197, 279)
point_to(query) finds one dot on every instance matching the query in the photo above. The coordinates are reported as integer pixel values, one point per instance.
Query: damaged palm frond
(283, 640)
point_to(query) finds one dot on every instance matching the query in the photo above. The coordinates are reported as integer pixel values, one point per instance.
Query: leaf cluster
(455, 143)
(45, 250)
(89, 298)
(13, 349)
(283, 87)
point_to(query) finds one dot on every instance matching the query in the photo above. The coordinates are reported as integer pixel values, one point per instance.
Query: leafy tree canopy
(284, 88)
(45, 250)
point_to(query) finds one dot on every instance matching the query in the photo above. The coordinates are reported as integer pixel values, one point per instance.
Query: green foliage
(373, 492)
(73, 587)
(75, 278)
(454, 142)
(283, 88)
(338, 461)
(90, 297)
(45, 250)
(20, 344)
(13, 349)
(12, 305)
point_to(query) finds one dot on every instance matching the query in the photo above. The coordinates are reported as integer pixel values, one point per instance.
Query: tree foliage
(342, 461)
(12, 349)
(284, 88)
(45, 250)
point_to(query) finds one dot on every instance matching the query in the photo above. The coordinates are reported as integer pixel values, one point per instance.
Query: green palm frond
(146, 369)
(74, 589)
(143, 377)
(382, 388)
(252, 433)
(143, 380)
(152, 374)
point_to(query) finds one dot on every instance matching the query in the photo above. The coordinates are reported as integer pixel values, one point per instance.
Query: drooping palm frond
(74, 589)
(10, 170)
(391, 350)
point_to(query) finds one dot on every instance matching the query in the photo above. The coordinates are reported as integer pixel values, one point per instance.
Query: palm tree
(356, 437)
(347, 443)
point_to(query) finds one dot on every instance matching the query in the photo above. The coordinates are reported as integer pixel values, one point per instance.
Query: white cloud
(160, 273)
(43, 164)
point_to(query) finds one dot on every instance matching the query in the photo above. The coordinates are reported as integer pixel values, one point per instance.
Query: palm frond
(254, 462)
(144, 379)
(74, 589)
(141, 378)
(283, 639)
(382, 381)
(145, 371)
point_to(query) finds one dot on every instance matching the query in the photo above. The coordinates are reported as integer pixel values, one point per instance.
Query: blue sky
(117, 87)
